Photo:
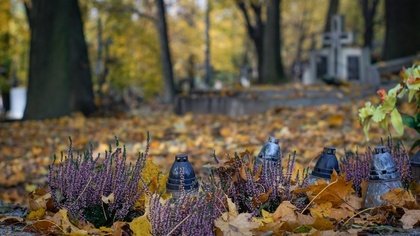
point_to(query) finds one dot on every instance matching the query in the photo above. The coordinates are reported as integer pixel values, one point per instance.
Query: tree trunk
(255, 33)
(169, 90)
(272, 70)
(59, 72)
(369, 11)
(81, 96)
(402, 37)
(332, 10)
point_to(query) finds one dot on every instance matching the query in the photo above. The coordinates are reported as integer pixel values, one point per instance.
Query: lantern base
(377, 188)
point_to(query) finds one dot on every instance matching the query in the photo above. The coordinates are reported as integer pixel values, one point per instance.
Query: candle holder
(270, 153)
(181, 180)
(325, 165)
(383, 177)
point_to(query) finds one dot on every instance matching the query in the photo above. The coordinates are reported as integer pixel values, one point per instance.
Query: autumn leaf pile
(26, 150)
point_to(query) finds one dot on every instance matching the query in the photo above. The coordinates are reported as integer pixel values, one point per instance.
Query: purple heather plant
(79, 183)
(253, 189)
(357, 167)
(188, 215)
(402, 161)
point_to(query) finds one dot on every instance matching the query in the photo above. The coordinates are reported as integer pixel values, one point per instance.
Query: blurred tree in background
(122, 39)
(59, 70)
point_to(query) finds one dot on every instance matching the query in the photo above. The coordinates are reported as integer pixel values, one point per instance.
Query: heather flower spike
(79, 183)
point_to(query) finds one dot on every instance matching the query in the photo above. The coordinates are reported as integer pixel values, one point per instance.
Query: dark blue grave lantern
(383, 177)
(324, 166)
(181, 180)
(415, 167)
(270, 152)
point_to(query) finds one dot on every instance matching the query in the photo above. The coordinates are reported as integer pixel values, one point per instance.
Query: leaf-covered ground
(26, 148)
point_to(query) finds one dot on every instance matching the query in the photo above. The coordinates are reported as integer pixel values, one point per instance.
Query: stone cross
(335, 39)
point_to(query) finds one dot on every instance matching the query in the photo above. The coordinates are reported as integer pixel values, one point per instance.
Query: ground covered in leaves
(26, 150)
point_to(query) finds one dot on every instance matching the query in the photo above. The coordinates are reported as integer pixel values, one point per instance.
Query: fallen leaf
(322, 224)
(284, 209)
(321, 210)
(266, 218)
(37, 214)
(410, 218)
(400, 198)
(141, 226)
(305, 219)
(109, 199)
(236, 225)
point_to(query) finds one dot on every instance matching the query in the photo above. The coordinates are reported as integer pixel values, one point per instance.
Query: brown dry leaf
(322, 224)
(353, 203)
(262, 198)
(305, 219)
(44, 227)
(410, 218)
(236, 225)
(400, 198)
(61, 219)
(340, 214)
(275, 227)
(40, 198)
(337, 192)
(284, 209)
(257, 175)
(242, 173)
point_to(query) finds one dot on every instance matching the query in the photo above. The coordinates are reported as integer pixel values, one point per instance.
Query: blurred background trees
(127, 51)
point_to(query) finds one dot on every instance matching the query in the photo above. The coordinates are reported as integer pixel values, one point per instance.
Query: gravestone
(337, 60)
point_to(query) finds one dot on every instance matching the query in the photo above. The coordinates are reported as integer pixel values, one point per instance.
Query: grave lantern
(383, 177)
(181, 180)
(269, 154)
(325, 165)
(415, 167)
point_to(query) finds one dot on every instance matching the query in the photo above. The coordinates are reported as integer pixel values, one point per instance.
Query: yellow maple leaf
(141, 226)
(266, 218)
(37, 214)
(321, 210)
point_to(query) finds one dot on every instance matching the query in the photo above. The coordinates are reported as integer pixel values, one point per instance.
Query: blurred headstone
(336, 61)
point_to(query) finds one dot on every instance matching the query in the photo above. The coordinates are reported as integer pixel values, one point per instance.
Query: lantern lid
(326, 163)
(273, 139)
(382, 165)
(182, 172)
(271, 150)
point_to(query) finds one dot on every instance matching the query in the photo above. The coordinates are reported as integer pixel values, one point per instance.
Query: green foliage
(409, 85)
